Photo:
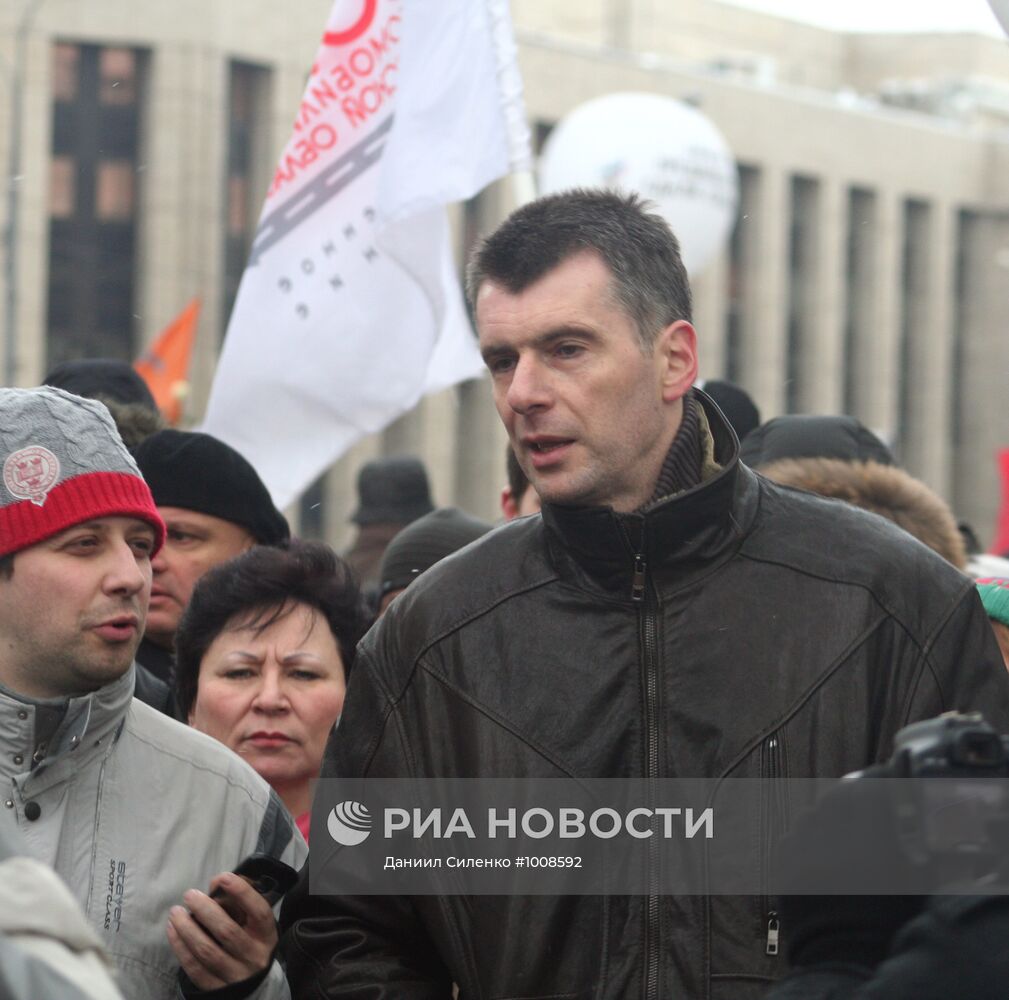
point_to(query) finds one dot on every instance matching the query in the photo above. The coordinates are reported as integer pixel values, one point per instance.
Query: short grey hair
(650, 282)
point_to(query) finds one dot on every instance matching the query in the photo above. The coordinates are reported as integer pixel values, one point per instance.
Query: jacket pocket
(774, 809)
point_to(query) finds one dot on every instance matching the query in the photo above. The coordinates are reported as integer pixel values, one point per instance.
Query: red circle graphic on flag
(358, 28)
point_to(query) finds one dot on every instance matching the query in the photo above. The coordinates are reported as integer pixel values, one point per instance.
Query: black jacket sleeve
(955, 948)
(373, 947)
(963, 668)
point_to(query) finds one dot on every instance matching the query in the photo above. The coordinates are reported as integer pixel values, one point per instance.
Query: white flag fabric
(350, 307)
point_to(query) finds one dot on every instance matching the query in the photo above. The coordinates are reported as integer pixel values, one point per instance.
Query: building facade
(867, 273)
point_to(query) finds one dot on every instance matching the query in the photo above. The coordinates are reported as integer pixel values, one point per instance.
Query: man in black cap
(392, 493)
(102, 378)
(420, 545)
(215, 507)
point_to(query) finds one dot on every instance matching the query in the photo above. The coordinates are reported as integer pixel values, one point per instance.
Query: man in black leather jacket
(670, 615)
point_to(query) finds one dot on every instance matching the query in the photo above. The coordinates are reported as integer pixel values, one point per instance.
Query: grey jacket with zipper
(132, 809)
(736, 629)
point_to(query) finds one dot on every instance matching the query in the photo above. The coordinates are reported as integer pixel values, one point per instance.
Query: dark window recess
(242, 203)
(93, 202)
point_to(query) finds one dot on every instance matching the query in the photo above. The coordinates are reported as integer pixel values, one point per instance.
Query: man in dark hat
(215, 507)
(392, 492)
(420, 545)
(735, 403)
(102, 378)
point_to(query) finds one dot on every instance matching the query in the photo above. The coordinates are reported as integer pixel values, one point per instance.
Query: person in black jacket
(670, 614)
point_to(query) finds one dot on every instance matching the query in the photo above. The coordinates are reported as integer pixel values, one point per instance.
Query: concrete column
(27, 352)
(878, 392)
(480, 454)
(438, 443)
(925, 439)
(764, 307)
(822, 369)
(983, 360)
(801, 307)
(861, 252)
(182, 200)
(404, 435)
(710, 315)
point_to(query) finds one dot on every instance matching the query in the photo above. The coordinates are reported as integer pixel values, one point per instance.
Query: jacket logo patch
(114, 898)
(29, 474)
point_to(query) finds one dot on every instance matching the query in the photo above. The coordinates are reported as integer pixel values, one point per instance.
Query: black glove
(847, 845)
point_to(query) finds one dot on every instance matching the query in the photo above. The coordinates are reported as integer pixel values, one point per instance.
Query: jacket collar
(89, 722)
(681, 534)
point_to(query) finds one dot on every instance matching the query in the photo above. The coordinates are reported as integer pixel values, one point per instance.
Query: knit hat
(63, 463)
(421, 544)
(994, 593)
(108, 377)
(198, 472)
(736, 405)
(813, 436)
(392, 490)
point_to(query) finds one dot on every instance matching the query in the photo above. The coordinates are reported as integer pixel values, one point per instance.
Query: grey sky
(886, 15)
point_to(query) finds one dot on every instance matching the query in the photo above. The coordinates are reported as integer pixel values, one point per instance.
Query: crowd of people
(676, 590)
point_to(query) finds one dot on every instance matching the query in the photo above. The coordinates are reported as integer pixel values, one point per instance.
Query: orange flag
(165, 365)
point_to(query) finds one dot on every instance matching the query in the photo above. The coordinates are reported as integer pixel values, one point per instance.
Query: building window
(246, 111)
(62, 187)
(66, 61)
(114, 185)
(93, 192)
(118, 75)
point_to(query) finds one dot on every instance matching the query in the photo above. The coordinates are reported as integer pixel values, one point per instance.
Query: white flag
(350, 308)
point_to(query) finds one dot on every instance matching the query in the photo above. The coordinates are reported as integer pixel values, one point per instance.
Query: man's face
(590, 414)
(194, 543)
(72, 613)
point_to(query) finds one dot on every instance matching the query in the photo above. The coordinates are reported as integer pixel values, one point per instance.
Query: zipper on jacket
(649, 636)
(638, 579)
(773, 929)
(774, 820)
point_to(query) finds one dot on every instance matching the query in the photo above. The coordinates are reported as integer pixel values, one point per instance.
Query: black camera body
(951, 798)
(955, 744)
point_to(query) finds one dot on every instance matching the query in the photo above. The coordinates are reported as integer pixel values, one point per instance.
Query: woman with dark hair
(263, 653)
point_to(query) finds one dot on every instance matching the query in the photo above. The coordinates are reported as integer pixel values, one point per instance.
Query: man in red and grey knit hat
(94, 782)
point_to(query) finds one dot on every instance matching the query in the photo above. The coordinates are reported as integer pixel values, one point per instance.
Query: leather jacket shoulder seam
(471, 617)
(800, 701)
(929, 646)
(497, 720)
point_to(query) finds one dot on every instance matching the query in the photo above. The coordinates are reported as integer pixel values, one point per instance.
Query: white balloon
(661, 148)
